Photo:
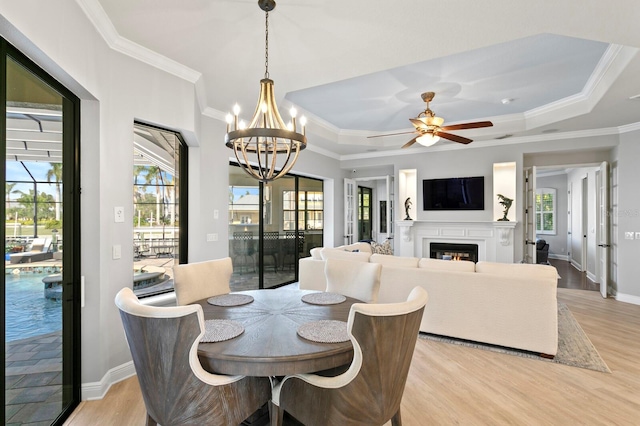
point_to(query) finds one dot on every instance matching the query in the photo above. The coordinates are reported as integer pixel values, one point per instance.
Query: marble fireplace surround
(494, 238)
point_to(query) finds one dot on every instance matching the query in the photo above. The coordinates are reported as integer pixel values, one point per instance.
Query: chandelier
(266, 140)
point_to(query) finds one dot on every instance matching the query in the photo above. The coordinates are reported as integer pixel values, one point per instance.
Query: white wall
(626, 214)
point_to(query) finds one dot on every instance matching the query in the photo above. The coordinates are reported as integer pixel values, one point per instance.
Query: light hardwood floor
(449, 384)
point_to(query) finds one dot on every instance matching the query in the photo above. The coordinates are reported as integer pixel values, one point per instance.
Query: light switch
(212, 237)
(118, 213)
(216, 214)
(117, 251)
(637, 235)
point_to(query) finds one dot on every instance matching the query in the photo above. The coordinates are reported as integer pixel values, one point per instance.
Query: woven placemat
(217, 330)
(324, 331)
(230, 299)
(323, 298)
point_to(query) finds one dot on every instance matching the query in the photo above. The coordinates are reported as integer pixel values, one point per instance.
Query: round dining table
(270, 344)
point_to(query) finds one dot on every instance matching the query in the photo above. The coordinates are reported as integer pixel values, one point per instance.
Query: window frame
(305, 215)
(540, 213)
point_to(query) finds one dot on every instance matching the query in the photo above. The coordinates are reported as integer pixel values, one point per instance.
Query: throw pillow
(384, 248)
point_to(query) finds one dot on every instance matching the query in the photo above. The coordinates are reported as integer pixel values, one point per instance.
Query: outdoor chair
(242, 250)
(370, 391)
(175, 388)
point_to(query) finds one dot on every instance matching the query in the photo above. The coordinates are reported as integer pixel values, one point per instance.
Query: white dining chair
(199, 280)
(359, 280)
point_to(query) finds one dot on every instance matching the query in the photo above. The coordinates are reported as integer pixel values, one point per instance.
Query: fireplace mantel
(494, 238)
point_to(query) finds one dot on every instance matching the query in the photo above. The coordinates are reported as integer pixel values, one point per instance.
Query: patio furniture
(195, 281)
(370, 391)
(243, 249)
(38, 251)
(271, 248)
(292, 251)
(175, 388)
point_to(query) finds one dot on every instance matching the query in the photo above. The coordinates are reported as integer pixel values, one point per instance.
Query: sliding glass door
(271, 226)
(40, 280)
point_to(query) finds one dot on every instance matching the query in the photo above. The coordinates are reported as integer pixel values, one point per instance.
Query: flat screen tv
(461, 193)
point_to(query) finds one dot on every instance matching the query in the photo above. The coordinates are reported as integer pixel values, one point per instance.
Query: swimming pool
(28, 312)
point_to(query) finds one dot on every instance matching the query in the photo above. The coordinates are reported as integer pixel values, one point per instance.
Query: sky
(15, 172)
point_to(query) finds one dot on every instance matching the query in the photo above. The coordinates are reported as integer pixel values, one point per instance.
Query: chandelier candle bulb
(229, 119)
(303, 123)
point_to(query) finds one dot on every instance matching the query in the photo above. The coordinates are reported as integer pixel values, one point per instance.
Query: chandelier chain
(266, 45)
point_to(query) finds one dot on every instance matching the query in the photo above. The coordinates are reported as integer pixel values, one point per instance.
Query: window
(546, 211)
(159, 203)
(310, 210)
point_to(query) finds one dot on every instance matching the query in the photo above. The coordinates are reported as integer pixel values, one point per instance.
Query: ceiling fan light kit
(429, 127)
(266, 141)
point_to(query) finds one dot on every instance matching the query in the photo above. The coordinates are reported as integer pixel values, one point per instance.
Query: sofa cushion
(338, 253)
(390, 260)
(517, 270)
(360, 246)
(384, 248)
(315, 253)
(447, 265)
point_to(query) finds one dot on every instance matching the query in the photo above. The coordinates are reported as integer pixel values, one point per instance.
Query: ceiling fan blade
(411, 142)
(463, 126)
(418, 124)
(454, 138)
(390, 134)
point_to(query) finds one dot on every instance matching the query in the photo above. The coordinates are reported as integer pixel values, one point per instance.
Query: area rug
(574, 347)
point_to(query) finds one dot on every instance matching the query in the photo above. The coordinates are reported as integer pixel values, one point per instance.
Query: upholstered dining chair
(360, 280)
(370, 391)
(175, 388)
(195, 281)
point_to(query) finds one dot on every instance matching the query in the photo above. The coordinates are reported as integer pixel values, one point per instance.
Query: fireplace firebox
(454, 251)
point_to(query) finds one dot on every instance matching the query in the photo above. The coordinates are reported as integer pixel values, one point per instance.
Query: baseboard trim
(627, 298)
(97, 390)
(592, 277)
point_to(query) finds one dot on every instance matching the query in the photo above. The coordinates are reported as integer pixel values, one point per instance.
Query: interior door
(602, 236)
(350, 204)
(529, 249)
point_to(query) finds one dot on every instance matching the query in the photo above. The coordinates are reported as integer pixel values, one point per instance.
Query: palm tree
(55, 174)
(8, 191)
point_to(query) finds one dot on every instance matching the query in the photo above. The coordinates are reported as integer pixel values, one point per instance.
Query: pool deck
(33, 384)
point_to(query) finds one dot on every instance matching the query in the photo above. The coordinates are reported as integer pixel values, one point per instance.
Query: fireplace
(454, 251)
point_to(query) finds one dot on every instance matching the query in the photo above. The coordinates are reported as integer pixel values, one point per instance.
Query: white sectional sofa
(511, 305)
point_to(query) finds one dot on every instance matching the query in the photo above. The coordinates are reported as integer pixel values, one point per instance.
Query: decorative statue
(506, 202)
(407, 206)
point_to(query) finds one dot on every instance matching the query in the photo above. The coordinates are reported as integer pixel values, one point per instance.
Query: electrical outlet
(637, 235)
(628, 235)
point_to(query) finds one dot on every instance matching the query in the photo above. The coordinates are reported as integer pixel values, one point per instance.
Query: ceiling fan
(429, 127)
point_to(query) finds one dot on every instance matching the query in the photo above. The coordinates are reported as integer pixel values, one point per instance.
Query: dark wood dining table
(270, 345)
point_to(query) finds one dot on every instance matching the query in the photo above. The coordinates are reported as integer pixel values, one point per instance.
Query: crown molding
(98, 17)
(629, 128)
